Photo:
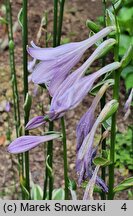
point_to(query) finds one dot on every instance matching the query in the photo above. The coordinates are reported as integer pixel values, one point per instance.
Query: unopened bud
(110, 43)
(92, 26)
(110, 108)
(11, 45)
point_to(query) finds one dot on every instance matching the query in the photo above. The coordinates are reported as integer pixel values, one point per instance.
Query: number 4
(124, 207)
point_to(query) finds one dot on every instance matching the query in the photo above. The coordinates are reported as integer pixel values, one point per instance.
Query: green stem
(14, 82)
(62, 3)
(62, 119)
(114, 117)
(50, 153)
(13, 69)
(65, 158)
(103, 102)
(55, 23)
(25, 81)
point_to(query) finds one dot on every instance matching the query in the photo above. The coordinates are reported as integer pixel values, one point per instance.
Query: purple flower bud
(25, 143)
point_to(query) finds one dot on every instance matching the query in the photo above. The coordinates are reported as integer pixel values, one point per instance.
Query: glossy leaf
(124, 185)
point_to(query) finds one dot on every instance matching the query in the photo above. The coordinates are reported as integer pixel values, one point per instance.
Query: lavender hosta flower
(80, 72)
(86, 122)
(128, 105)
(75, 94)
(25, 143)
(66, 56)
(86, 152)
(88, 195)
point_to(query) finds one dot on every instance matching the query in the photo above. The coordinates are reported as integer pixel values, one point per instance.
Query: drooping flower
(58, 61)
(86, 152)
(69, 96)
(25, 143)
(86, 122)
(128, 104)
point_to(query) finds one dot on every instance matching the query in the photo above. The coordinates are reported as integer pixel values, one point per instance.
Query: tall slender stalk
(51, 125)
(103, 102)
(12, 67)
(114, 117)
(62, 2)
(65, 157)
(55, 24)
(14, 82)
(25, 81)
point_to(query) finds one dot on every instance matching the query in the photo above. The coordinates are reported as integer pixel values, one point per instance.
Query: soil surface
(74, 29)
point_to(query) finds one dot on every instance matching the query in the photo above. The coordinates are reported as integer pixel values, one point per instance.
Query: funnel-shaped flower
(80, 72)
(72, 96)
(69, 96)
(58, 61)
(25, 143)
(86, 122)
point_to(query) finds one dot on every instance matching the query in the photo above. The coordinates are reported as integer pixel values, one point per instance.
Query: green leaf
(129, 80)
(20, 17)
(36, 192)
(127, 70)
(124, 185)
(125, 41)
(58, 194)
(101, 161)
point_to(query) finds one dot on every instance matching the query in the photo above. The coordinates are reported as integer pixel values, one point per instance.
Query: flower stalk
(103, 102)
(62, 2)
(114, 116)
(25, 82)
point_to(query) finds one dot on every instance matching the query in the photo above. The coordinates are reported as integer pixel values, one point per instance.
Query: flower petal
(35, 122)
(53, 53)
(25, 143)
(75, 94)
